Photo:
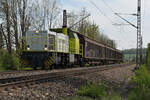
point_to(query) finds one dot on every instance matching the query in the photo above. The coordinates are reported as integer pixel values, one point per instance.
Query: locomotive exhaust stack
(64, 28)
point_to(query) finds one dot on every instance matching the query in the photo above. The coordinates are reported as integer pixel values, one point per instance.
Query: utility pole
(139, 36)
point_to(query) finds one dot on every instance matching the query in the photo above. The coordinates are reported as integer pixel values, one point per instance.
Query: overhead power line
(80, 20)
(106, 15)
(100, 11)
(126, 20)
(108, 6)
(127, 14)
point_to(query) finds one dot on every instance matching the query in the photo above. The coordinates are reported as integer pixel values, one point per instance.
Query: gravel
(65, 88)
(21, 73)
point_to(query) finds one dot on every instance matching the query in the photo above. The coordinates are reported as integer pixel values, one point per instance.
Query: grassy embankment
(139, 91)
(100, 91)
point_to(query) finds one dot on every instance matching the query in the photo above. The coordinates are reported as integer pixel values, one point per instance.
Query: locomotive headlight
(28, 47)
(45, 47)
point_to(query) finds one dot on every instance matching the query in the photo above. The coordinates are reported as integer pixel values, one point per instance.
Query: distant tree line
(130, 55)
(148, 56)
(133, 51)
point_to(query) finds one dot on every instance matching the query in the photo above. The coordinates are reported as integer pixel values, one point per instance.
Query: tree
(21, 15)
(6, 16)
(72, 18)
(148, 56)
(88, 28)
(14, 20)
(1, 39)
(84, 23)
(24, 18)
(44, 14)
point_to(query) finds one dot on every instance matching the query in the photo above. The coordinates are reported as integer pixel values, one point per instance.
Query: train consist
(63, 47)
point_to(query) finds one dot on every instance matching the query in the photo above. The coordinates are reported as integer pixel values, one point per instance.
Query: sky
(124, 35)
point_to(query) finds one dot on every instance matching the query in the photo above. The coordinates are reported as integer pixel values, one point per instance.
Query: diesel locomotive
(63, 47)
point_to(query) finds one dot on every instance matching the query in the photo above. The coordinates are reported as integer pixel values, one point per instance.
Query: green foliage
(114, 96)
(148, 56)
(130, 55)
(141, 82)
(78, 98)
(133, 51)
(89, 28)
(8, 62)
(111, 97)
(93, 90)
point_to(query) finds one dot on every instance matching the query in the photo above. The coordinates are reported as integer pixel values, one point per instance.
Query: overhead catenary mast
(139, 36)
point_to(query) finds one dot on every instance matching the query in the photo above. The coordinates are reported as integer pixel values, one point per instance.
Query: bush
(141, 81)
(114, 96)
(78, 98)
(93, 90)
(148, 56)
(8, 62)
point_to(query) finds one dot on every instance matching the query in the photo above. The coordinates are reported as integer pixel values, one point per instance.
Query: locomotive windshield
(36, 41)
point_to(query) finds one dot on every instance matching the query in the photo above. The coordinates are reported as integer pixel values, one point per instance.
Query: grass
(140, 90)
(2, 69)
(27, 68)
(79, 98)
(93, 90)
(111, 97)
(141, 82)
(114, 96)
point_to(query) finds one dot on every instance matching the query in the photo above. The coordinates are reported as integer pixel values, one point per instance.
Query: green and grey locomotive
(62, 47)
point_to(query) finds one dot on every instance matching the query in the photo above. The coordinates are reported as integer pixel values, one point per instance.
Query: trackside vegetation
(99, 91)
(141, 83)
(148, 56)
(8, 62)
(140, 86)
(95, 91)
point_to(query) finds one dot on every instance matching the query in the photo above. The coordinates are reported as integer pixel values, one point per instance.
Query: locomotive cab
(36, 40)
(74, 43)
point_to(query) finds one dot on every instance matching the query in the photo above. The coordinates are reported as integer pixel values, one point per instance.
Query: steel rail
(4, 83)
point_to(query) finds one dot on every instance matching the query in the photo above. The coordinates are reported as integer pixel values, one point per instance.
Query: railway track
(5, 73)
(14, 82)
